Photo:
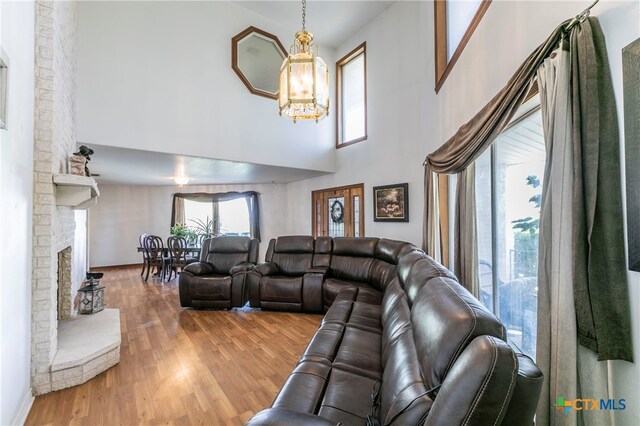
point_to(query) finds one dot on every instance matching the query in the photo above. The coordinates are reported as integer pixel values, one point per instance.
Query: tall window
(455, 22)
(352, 97)
(508, 194)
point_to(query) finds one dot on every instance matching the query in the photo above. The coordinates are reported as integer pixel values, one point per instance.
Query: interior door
(338, 212)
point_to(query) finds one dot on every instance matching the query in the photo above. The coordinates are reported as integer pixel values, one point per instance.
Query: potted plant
(180, 230)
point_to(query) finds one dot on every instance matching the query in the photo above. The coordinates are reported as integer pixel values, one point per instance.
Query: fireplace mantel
(78, 192)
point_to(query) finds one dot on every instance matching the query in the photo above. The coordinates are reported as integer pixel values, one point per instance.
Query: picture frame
(391, 203)
(631, 82)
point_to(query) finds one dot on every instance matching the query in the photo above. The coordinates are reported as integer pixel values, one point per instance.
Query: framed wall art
(391, 203)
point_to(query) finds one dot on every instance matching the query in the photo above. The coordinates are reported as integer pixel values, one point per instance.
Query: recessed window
(352, 97)
(455, 21)
(508, 196)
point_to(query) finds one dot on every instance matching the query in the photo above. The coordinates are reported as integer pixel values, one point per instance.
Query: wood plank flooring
(181, 366)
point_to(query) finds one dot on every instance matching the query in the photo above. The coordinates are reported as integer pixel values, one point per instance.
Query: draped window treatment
(253, 205)
(582, 268)
(463, 148)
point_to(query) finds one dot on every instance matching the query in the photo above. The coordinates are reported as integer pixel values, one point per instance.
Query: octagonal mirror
(256, 57)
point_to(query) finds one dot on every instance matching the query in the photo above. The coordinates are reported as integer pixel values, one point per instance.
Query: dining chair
(145, 254)
(156, 256)
(178, 255)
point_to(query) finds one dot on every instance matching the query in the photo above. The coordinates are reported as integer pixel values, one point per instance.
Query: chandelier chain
(304, 15)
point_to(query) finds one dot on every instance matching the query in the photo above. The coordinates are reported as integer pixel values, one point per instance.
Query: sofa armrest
(241, 267)
(266, 268)
(199, 268)
(285, 417)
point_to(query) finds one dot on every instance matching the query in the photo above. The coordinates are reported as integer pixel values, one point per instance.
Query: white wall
(400, 119)
(16, 181)
(125, 212)
(157, 76)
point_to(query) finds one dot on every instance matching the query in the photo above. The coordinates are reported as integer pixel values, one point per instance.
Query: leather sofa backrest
(403, 398)
(322, 252)
(392, 317)
(479, 386)
(352, 258)
(406, 263)
(445, 319)
(292, 254)
(384, 265)
(223, 253)
(422, 271)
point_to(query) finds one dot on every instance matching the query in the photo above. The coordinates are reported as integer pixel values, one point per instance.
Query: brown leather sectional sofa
(402, 342)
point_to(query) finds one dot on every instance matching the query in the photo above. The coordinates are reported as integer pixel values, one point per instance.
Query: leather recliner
(218, 280)
(288, 279)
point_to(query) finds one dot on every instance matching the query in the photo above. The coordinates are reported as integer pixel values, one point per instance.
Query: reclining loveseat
(401, 342)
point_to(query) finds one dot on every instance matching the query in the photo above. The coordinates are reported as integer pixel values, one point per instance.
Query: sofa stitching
(485, 381)
(513, 378)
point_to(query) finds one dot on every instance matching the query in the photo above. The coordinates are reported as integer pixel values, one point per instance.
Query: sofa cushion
(223, 253)
(211, 287)
(403, 394)
(395, 316)
(281, 289)
(445, 319)
(322, 252)
(347, 398)
(363, 293)
(352, 258)
(324, 344)
(390, 250)
(304, 389)
(359, 352)
(406, 263)
(294, 244)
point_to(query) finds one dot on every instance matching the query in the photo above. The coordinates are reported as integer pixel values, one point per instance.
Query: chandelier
(304, 79)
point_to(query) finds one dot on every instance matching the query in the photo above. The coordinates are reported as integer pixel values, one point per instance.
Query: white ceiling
(331, 22)
(135, 167)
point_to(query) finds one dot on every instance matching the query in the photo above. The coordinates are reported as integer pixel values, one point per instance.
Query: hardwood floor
(181, 366)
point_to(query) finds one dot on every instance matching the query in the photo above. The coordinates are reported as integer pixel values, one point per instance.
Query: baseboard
(128, 265)
(25, 407)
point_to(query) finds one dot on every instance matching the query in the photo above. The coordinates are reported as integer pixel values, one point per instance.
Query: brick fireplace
(59, 248)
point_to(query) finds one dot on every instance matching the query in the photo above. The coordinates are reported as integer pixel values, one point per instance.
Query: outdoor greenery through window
(508, 194)
(198, 215)
(233, 216)
(352, 97)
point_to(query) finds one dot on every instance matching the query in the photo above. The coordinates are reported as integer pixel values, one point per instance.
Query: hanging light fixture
(304, 79)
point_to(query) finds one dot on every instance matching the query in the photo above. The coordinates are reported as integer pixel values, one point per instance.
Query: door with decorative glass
(338, 212)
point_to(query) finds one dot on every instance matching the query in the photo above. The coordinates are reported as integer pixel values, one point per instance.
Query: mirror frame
(234, 58)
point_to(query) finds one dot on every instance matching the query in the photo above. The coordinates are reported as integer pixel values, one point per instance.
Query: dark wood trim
(361, 49)
(319, 195)
(443, 203)
(440, 26)
(441, 75)
(234, 58)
